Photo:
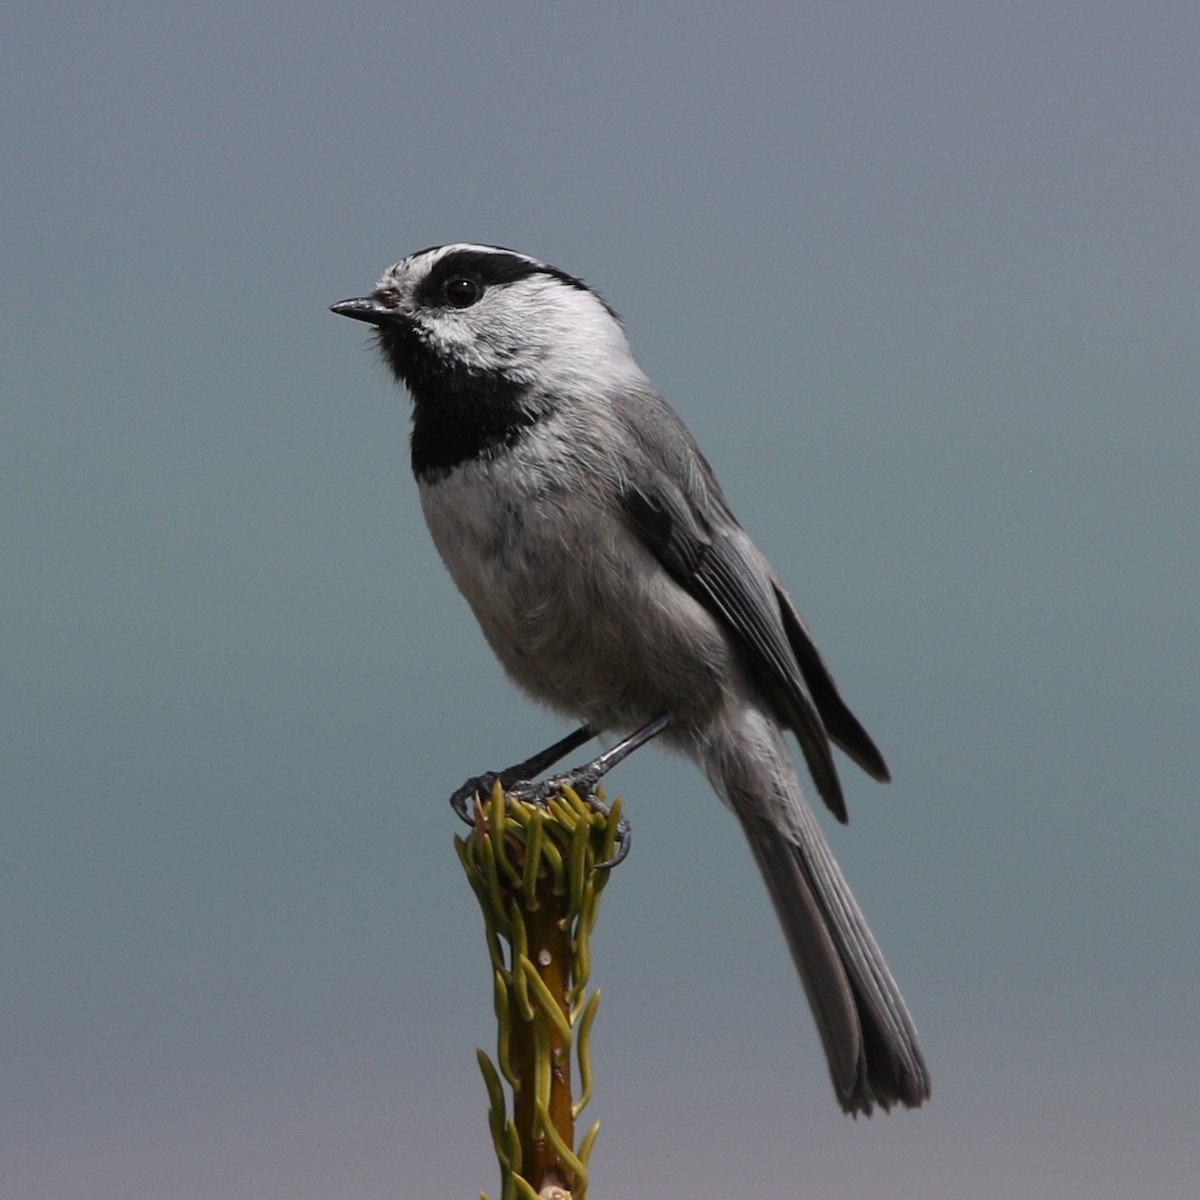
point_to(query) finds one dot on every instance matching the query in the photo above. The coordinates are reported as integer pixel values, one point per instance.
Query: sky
(921, 278)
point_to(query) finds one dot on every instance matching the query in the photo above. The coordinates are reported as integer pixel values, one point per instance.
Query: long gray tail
(869, 1038)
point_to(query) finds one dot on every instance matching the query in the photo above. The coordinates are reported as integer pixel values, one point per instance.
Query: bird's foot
(463, 800)
(583, 781)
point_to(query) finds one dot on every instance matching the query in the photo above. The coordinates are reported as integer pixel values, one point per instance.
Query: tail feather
(868, 1036)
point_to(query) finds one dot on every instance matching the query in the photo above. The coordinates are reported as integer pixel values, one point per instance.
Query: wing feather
(721, 569)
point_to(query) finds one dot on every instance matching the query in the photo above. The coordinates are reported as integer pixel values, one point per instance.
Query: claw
(621, 845)
(462, 800)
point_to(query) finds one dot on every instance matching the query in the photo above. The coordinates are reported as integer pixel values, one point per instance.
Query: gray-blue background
(923, 279)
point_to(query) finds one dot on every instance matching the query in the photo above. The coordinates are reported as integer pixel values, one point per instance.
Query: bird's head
(464, 314)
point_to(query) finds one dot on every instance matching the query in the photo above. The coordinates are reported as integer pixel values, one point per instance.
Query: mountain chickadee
(592, 541)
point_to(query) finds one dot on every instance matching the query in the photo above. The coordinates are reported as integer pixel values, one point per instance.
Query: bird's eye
(462, 291)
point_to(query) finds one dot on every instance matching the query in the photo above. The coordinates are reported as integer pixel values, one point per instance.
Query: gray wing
(721, 569)
(714, 561)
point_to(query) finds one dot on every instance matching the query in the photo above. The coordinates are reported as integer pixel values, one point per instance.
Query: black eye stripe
(485, 268)
(489, 267)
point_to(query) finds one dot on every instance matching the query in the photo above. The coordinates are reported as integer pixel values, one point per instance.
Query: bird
(588, 534)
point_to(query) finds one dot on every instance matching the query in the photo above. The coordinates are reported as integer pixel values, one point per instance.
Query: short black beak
(364, 308)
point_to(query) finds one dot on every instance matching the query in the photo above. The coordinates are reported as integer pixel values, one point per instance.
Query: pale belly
(578, 611)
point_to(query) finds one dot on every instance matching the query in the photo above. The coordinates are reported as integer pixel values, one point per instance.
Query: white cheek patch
(536, 330)
(478, 347)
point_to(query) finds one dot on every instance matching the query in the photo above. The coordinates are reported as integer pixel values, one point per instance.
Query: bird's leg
(583, 779)
(463, 800)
